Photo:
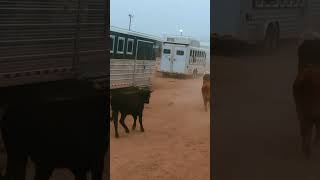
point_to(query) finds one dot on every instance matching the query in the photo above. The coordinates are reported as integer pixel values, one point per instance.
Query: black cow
(129, 103)
(59, 132)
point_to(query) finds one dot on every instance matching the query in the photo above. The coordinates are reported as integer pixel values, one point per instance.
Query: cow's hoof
(142, 130)
(127, 131)
(133, 127)
(117, 135)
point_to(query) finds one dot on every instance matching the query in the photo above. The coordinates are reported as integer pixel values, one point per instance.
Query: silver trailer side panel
(51, 40)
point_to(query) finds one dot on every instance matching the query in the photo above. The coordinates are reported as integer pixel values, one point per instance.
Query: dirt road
(176, 141)
(255, 124)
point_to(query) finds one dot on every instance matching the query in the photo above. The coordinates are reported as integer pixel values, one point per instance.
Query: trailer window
(166, 51)
(145, 50)
(180, 53)
(190, 52)
(112, 37)
(270, 3)
(130, 46)
(120, 48)
(258, 3)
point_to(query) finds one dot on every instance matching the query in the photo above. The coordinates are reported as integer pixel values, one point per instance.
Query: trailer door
(143, 65)
(166, 59)
(179, 59)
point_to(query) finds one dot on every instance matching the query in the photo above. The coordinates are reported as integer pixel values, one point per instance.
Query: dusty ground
(255, 124)
(176, 141)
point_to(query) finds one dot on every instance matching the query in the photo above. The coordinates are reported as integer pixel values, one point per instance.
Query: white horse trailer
(183, 56)
(263, 21)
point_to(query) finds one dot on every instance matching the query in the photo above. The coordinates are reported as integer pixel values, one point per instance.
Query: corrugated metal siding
(39, 37)
(314, 10)
(93, 42)
(143, 72)
(121, 71)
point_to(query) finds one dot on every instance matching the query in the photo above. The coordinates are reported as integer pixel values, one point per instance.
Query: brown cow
(306, 92)
(206, 90)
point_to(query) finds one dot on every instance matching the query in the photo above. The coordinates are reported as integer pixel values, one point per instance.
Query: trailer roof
(135, 33)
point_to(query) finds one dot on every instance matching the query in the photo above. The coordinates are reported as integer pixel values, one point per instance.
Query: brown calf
(206, 90)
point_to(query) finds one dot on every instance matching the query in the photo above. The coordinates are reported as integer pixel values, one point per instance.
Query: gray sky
(158, 17)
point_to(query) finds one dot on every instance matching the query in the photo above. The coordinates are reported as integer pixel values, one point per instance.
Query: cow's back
(129, 102)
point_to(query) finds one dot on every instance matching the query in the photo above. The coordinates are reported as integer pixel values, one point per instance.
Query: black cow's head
(145, 95)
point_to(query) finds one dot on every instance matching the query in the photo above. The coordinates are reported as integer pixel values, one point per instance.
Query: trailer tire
(276, 36)
(164, 75)
(268, 38)
(271, 40)
(195, 73)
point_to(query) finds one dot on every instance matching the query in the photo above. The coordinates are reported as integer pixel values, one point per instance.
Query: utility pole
(130, 16)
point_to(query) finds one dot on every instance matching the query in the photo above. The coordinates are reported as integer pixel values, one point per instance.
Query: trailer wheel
(195, 74)
(276, 37)
(268, 38)
(164, 75)
(271, 38)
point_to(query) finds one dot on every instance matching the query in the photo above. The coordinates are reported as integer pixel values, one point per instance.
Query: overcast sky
(158, 17)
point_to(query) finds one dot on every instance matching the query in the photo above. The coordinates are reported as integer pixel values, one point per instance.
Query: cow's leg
(134, 122)
(123, 116)
(97, 172)
(43, 173)
(205, 103)
(111, 113)
(140, 121)
(16, 166)
(16, 156)
(317, 138)
(306, 133)
(115, 122)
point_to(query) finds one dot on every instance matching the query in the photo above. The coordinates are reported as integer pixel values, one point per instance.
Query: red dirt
(176, 141)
